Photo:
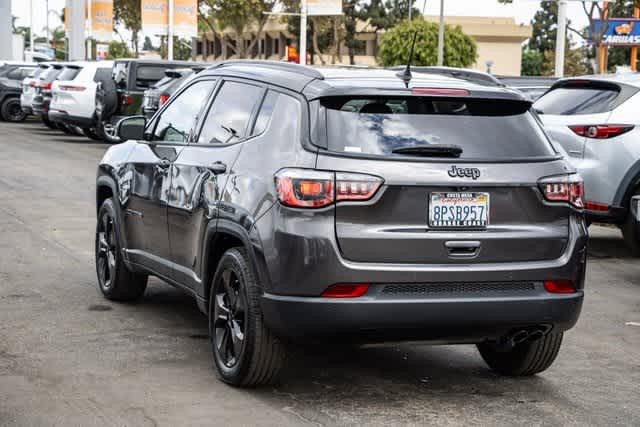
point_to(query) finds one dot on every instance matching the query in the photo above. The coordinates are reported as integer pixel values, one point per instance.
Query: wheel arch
(627, 187)
(223, 236)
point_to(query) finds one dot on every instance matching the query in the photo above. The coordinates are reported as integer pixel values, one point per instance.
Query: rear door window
(230, 114)
(483, 129)
(147, 76)
(583, 98)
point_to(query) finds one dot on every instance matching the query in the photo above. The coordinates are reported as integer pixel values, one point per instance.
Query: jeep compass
(302, 204)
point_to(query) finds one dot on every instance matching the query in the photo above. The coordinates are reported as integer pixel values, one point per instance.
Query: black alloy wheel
(230, 318)
(12, 111)
(106, 248)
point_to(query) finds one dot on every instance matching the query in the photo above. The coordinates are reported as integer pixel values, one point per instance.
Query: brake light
(127, 100)
(300, 188)
(45, 86)
(600, 131)
(346, 290)
(72, 88)
(564, 188)
(434, 91)
(163, 99)
(559, 286)
(598, 207)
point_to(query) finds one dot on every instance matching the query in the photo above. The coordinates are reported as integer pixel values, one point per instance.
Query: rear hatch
(461, 180)
(572, 104)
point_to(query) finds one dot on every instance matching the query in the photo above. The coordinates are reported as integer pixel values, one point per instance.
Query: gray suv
(310, 205)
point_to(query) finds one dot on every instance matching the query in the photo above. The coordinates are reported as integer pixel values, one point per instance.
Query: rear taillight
(436, 91)
(71, 88)
(564, 188)
(127, 100)
(301, 188)
(45, 86)
(559, 286)
(600, 131)
(163, 99)
(346, 290)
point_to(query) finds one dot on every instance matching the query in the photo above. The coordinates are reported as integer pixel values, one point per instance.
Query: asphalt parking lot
(68, 357)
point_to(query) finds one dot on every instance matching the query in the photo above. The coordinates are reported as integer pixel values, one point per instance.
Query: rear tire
(91, 134)
(631, 231)
(526, 359)
(48, 123)
(245, 351)
(116, 282)
(11, 111)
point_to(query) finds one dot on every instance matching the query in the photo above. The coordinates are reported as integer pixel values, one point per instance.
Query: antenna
(406, 74)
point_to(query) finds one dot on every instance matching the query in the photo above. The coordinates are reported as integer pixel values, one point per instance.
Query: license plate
(459, 210)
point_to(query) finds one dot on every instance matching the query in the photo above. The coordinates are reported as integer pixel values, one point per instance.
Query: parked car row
(86, 97)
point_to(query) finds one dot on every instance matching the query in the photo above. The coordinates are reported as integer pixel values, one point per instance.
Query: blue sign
(620, 32)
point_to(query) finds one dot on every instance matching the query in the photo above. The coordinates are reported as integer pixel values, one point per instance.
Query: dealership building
(499, 42)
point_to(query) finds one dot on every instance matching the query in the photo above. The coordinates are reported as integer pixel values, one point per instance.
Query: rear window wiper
(431, 150)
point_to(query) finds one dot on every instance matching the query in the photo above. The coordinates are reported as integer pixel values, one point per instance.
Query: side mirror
(131, 128)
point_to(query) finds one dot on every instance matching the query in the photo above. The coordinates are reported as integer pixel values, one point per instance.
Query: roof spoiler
(457, 73)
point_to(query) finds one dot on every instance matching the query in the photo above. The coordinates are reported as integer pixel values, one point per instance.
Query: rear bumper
(60, 116)
(449, 320)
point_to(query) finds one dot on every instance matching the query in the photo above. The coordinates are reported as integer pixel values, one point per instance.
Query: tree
(573, 63)
(532, 62)
(459, 49)
(383, 15)
(350, 19)
(118, 50)
(544, 27)
(128, 13)
(240, 15)
(147, 45)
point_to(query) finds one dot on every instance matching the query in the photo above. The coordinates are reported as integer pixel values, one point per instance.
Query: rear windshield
(147, 76)
(483, 129)
(574, 99)
(69, 73)
(50, 74)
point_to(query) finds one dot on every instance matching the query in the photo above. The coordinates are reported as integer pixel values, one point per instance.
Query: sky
(521, 10)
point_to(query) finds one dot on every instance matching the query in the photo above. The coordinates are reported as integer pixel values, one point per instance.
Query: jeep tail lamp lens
(346, 290)
(559, 286)
(300, 188)
(564, 188)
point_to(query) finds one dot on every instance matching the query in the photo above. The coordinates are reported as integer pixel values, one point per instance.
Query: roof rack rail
(279, 65)
(457, 73)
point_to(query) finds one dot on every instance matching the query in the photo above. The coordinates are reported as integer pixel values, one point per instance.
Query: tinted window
(102, 74)
(146, 76)
(177, 121)
(266, 110)
(69, 73)
(50, 74)
(229, 116)
(19, 73)
(582, 99)
(483, 129)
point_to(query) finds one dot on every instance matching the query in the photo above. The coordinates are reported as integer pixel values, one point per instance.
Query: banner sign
(102, 19)
(619, 32)
(102, 51)
(155, 17)
(324, 7)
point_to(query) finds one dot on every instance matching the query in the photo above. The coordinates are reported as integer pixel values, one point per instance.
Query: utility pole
(170, 36)
(47, 24)
(89, 28)
(303, 34)
(561, 36)
(31, 47)
(441, 36)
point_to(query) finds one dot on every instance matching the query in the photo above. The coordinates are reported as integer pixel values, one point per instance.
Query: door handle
(217, 168)
(462, 248)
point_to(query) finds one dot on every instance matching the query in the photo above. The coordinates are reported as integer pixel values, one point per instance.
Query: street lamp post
(441, 36)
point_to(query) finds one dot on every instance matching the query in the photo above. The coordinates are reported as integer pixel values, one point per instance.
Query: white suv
(73, 99)
(595, 119)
